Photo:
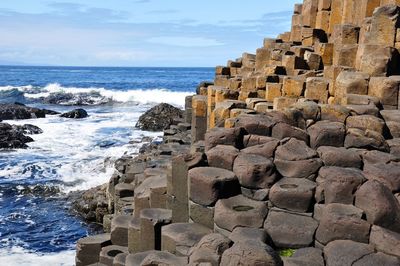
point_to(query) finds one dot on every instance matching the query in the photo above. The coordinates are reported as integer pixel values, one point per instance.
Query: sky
(137, 32)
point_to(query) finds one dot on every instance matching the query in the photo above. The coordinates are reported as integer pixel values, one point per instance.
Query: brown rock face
(254, 171)
(379, 204)
(208, 184)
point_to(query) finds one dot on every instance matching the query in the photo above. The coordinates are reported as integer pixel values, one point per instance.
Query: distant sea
(36, 226)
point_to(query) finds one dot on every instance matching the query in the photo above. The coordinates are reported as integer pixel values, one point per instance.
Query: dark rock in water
(12, 138)
(28, 129)
(77, 113)
(91, 205)
(90, 98)
(159, 117)
(20, 111)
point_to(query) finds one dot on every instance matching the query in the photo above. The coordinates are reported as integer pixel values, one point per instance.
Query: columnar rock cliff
(293, 149)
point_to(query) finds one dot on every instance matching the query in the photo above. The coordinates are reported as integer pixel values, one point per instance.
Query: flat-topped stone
(151, 221)
(155, 257)
(239, 211)
(254, 171)
(88, 248)
(178, 238)
(249, 253)
(208, 184)
(108, 254)
(293, 194)
(340, 157)
(340, 221)
(338, 185)
(289, 230)
(345, 252)
(119, 229)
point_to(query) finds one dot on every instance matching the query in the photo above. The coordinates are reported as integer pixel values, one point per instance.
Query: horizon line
(30, 65)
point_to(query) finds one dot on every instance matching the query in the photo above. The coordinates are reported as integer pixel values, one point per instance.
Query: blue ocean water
(37, 226)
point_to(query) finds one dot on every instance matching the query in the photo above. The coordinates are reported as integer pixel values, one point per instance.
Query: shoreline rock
(159, 117)
(14, 137)
(18, 111)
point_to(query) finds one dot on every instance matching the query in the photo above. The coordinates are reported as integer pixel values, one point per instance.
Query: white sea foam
(69, 149)
(140, 96)
(18, 256)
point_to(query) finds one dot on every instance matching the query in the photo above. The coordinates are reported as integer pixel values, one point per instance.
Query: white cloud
(123, 55)
(185, 41)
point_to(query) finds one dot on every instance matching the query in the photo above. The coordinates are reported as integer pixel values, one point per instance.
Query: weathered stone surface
(339, 221)
(88, 248)
(345, 34)
(249, 253)
(298, 169)
(222, 156)
(159, 117)
(254, 171)
(345, 252)
(209, 250)
(246, 233)
(309, 109)
(349, 82)
(208, 184)
(305, 257)
(366, 122)
(151, 221)
(283, 130)
(294, 150)
(266, 149)
(255, 124)
(154, 257)
(386, 89)
(293, 194)
(392, 120)
(385, 210)
(119, 229)
(377, 259)
(386, 173)
(325, 133)
(385, 240)
(239, 211)
(317, 89)
(108, 253)
(334, 113)
(178, 238)
(224, 136)
(384, 22)
(338, 185)
(289, 230)
(134, 235)
(368, 139)
(341, 157)
(200, 214)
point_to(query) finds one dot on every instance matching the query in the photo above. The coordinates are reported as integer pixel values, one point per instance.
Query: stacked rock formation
(294, 147)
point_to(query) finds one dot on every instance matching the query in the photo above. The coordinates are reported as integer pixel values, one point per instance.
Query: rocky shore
(290, 157)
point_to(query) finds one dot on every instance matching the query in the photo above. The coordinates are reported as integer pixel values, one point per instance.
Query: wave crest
(55, 93)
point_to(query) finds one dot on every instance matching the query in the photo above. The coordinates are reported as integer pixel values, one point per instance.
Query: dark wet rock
(159, 117)
(70, 99)
(76, 113)
(91, 205)
(12, 138)
(28, 129)
(20, 111)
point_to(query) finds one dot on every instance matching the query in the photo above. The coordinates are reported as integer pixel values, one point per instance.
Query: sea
(36, 224)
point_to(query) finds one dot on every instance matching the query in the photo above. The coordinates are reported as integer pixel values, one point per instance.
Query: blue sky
(137, 32)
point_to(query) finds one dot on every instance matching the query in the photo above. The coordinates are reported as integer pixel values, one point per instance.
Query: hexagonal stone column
(88, 248)
(239, 211)
(151, 221)
(178, 238)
